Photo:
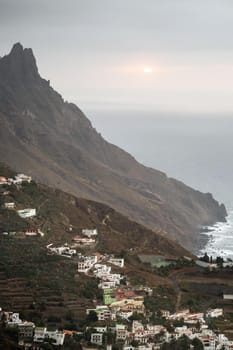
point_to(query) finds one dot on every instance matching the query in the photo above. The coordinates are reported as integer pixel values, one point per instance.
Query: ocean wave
(220, 240)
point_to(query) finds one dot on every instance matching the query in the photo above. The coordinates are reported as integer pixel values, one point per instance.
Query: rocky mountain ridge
(54, 141)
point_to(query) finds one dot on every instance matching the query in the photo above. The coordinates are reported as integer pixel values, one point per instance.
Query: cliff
(53, 140)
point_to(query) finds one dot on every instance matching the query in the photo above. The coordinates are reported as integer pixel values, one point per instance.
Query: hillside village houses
(120, 302)
(143, 334)
(64, 250)
(17, 180)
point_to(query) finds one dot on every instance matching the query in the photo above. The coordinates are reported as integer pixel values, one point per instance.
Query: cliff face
(55, 142)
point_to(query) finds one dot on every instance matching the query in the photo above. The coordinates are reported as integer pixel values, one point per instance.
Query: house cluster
(150, 337)
(192, 318)
(118, 303)
(17, 180)
(28, 334)
(63, 250)
(87, 237)
(100, 266)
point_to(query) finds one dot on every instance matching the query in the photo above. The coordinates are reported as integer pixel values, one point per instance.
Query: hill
(51, 139)
(30, 276)
(48, 289)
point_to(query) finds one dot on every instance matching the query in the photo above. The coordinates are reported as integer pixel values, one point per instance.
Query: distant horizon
(166, 56)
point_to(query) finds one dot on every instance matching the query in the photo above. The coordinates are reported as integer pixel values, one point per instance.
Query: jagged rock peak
(19, 65)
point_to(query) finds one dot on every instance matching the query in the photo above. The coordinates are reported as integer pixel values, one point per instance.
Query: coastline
(217, 240)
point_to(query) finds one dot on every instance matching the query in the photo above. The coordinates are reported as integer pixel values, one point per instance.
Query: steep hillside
(57, 211)
(29, 276)
(51, 139)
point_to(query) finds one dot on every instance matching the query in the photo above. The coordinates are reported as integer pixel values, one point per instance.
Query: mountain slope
(43, 135)
(29, 275)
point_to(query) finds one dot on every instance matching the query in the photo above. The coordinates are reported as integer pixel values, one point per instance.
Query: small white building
(117, 262)
(10, 205)
(121, 332)
(24, 178)
(97, 338)
(41, 335)
(83, 240)
(27, 213)
(89, 233)
(102, 311)
(107, 284)
(12, 318)
(112, 277)
(214, 313)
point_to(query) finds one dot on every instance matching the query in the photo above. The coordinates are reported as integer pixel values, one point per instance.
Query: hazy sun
(147, 69)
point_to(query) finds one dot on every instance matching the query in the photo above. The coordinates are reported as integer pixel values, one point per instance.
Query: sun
(147, 70)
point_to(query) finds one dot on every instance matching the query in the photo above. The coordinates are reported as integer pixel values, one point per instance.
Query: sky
(148, 55)
(155, 77)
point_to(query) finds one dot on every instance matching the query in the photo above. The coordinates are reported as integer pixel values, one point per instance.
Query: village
(121, 321)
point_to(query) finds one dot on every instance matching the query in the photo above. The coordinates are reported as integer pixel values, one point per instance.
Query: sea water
(220, 236)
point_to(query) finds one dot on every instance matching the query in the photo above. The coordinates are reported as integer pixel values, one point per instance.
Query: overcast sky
(95, 51)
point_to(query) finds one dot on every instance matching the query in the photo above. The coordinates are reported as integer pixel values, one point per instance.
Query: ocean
(220, 239)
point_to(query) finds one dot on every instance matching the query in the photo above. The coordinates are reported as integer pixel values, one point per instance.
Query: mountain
(53, 140)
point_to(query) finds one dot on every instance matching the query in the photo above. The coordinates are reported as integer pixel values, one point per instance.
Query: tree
(219, 261)
(205, 258)
(92, 316)
(197, 344)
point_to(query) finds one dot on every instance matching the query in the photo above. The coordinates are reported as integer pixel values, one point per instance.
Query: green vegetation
(10, 221)
(163, 298)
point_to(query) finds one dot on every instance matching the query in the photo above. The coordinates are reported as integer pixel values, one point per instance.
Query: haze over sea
(196, 149)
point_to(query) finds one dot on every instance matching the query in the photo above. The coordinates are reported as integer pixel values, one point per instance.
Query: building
(83, 240)
(31, 231)
(124, 294)
(228, 296)
(19, 178)
(42, 335)
(129, 305)
(107, 284)
(117, 262)
(108, 296)
(121, 332)
(26, 330)
(97, 338)
(27, 213)
(214, 313)
(10, 205)
(102, 311)
(12, 318)
(89, 233)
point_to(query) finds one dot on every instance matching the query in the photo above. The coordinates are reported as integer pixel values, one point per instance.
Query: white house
(10, 205)
(41, 334)
(97, 338)
(27, 213)
(117, 262)
(89, 233)
(107, 284)
(121, 332)
(84, 266)
(23, 178)
(214, 313)
(102, 311)
(12, 318)
(83, 240)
